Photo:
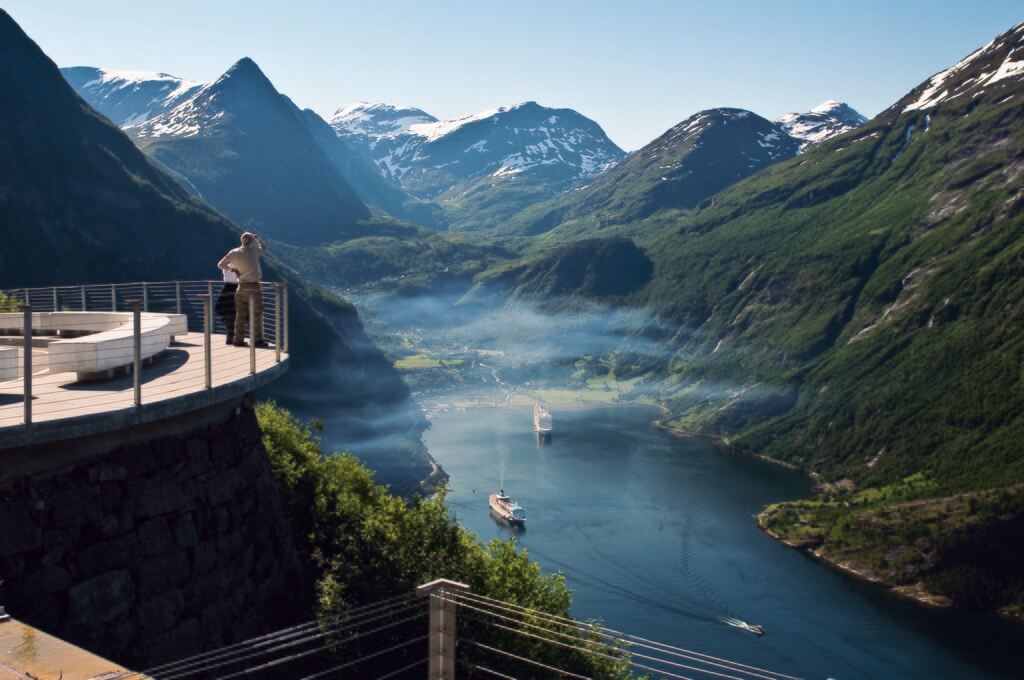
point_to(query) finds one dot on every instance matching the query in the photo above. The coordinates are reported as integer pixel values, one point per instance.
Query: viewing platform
(94, 366)
(27, 653)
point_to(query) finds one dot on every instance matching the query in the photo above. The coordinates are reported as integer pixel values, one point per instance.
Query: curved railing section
(71, 351)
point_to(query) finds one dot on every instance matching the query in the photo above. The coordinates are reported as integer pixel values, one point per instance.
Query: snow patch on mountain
(824, 121)
(373, 121)
(129, 98)
(957, 81)
(435, 130)
(422, 153)
(1010, 68)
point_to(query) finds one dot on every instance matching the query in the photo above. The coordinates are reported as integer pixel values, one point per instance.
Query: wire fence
(102, 332)
(479, 635)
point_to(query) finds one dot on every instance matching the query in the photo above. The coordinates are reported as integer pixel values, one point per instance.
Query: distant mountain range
(482, 168)
(473, 173)
(689, 163)
(245, 148)
(428, 157)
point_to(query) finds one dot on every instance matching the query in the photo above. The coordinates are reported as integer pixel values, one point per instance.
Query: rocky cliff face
(152, 550)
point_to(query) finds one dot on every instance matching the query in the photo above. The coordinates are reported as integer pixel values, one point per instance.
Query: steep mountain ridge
(823, 122)
(244, 148)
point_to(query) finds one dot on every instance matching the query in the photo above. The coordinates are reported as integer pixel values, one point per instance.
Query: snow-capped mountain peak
(824, 121)
(373, 121)
(130, 98)
(427, 156)
(242, 89)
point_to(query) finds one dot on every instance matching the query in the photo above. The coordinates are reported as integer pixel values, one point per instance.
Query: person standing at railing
(226, 304)
(244, 261)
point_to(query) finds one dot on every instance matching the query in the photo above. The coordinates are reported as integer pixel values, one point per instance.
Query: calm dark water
(655, 536)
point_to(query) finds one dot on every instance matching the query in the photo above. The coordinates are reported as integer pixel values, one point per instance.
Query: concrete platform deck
(173, 384)
(27, 653)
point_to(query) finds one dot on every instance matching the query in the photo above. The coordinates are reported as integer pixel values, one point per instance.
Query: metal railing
(209, 308)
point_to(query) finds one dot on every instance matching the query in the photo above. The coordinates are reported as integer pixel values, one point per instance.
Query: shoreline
(914, 592)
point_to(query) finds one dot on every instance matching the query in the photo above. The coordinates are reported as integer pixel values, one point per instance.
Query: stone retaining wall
(153, 550)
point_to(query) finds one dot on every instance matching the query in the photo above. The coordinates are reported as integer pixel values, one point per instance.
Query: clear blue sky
(635, 67)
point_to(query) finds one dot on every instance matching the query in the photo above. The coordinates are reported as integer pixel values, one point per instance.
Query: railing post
(81, 291)
(177, 297)
(207, 329)
(286, 351)
(28, 299)
(145, 297)
(137, 352)
(56, 300)
(442, 631)
(113, 297)
(209, 296)
(252, 334)
(277, 322)
(26, 363)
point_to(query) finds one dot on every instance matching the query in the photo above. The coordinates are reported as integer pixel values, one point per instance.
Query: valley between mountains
(835, 293)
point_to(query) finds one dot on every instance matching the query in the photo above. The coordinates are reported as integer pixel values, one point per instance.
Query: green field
(419, 361)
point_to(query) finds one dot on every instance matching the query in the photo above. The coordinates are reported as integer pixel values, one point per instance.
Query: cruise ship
(506, 508)
(542, 419)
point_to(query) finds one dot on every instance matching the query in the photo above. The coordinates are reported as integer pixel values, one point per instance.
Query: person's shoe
(230, 341)
(239, 344)
(262, 343)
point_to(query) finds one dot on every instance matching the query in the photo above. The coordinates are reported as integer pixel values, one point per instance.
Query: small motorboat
(754, 628)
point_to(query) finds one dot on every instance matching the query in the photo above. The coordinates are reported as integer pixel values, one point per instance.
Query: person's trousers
(242, 295)
(225, 308)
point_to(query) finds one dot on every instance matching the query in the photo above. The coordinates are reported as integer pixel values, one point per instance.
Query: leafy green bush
(8, 303)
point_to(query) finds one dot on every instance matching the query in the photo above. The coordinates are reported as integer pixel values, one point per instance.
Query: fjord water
(656, 537)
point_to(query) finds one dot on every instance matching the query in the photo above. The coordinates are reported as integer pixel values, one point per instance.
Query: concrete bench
(103, 340)
(8, 363)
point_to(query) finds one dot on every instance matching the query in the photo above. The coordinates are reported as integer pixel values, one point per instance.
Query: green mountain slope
(858, 269)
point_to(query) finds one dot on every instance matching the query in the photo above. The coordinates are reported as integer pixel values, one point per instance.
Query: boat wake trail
(725, 613)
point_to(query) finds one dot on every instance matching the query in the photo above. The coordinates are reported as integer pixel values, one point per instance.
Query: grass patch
(577, 397)
(419, 361)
